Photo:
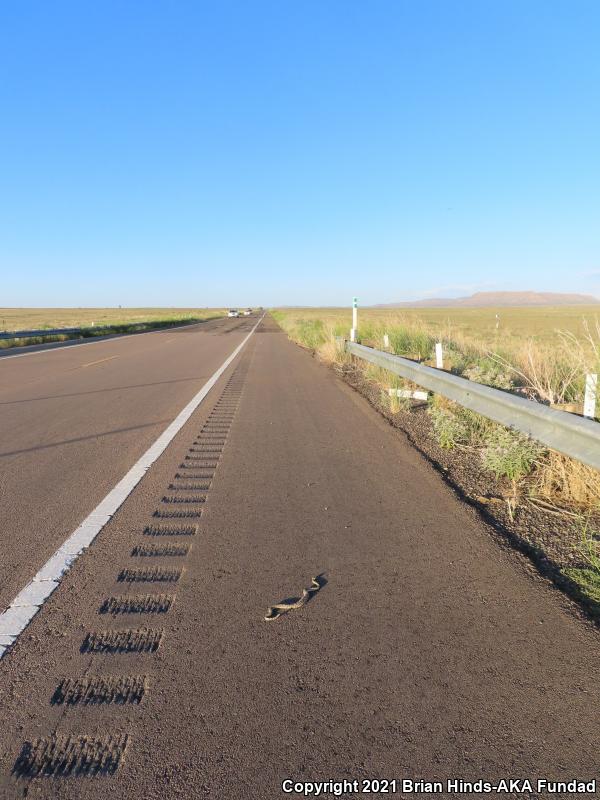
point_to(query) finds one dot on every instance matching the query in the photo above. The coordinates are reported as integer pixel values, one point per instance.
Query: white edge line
(68, 343)
(33, 596)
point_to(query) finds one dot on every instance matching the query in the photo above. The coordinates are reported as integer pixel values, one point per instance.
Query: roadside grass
(478, 325)
(566, 482)
(587, 578)
(94, 322)
(540, 362)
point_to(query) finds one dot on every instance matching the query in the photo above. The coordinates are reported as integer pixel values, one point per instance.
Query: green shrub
(509, 454)
(454, 425)
(448, 429)
(587, 578)
(490, 373)
(588, 581)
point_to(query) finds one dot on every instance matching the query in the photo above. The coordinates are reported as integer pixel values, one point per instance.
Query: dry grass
(475, 325)
(330, 352)
(15, 319)
(566, 482)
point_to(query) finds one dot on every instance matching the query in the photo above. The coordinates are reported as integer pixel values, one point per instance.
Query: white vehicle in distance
(233, 312)
(248, 312)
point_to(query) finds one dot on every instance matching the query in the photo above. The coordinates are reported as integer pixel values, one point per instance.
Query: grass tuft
(509, 454)
(587, 578)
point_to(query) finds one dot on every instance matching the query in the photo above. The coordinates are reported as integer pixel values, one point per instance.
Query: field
(544, 352)
(94, 321)
(15, 319)
(490, 327)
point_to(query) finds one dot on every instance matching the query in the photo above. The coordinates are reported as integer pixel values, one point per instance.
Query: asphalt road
(431, 652)
(74, 419)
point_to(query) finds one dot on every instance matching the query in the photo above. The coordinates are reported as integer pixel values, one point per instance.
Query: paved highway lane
(431, 652)
(73, 420)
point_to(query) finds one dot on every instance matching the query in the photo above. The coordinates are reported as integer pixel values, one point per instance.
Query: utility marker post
(439, 355)
(354, 329)
(589, 403)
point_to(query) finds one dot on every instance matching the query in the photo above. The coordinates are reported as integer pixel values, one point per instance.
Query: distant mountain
(481, 299)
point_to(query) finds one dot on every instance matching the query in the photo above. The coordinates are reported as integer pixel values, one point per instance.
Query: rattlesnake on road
(275, 611)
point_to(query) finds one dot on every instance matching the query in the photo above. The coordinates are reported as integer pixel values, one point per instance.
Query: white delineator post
(439, 355)
(354, 329)
(386, 340)
(589, 403)
(408, 394)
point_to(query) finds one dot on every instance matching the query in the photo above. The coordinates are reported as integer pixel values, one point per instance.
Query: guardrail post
(589, 404)
(439, 355)
(354, 328)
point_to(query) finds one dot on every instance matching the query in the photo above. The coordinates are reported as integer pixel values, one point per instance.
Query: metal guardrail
(574, 436)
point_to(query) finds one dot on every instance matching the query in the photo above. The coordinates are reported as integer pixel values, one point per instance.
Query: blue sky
(279, 152)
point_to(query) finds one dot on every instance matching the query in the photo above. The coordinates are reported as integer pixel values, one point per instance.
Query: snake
(275, 611)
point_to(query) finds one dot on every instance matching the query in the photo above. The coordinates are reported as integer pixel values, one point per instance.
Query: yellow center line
(100, 361)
